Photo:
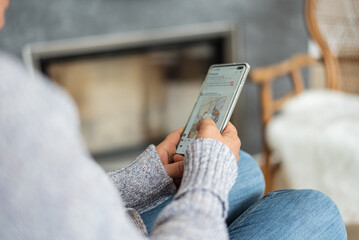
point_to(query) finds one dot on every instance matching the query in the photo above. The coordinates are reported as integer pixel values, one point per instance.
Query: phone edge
(238, 90)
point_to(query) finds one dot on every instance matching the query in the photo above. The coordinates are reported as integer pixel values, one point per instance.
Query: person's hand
(172, 163)
(207, 129)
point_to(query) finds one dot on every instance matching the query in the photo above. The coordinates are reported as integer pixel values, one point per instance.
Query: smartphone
(217, 99)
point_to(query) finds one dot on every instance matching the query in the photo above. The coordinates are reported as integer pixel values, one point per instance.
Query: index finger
(175, 136)
(177, 131)
(230, 130)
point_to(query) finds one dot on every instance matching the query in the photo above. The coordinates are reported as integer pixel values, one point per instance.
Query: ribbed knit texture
(210, 172)
(210, 166)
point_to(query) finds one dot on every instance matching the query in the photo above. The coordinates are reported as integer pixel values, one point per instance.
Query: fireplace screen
(133, 98)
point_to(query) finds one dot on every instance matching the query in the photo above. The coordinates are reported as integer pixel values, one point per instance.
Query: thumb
(175, 170)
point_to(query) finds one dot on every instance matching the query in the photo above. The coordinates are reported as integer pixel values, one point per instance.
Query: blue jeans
(284, 214)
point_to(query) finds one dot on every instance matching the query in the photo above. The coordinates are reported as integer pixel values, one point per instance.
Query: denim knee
(331, 215)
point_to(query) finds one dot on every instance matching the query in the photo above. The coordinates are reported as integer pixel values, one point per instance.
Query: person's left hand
(172, 163)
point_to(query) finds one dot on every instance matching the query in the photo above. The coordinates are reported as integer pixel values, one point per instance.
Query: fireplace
(133, 89)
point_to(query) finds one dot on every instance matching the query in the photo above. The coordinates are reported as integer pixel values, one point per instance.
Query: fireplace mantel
(133, 88)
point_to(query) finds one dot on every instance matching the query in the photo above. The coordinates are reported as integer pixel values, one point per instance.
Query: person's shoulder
(12, 69)
(8, 59)
(10, 64)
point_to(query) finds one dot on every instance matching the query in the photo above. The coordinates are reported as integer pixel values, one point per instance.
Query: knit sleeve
(145, 183)
(201, 204)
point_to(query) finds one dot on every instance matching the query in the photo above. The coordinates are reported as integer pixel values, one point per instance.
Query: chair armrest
(269, 73)
(266, 75)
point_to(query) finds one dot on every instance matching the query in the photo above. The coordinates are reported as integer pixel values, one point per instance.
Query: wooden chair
(334, 26)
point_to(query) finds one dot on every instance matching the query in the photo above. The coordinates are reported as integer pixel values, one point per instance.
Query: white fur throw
(316, 137)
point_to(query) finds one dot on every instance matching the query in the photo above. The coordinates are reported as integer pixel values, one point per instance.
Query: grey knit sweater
(50, 188)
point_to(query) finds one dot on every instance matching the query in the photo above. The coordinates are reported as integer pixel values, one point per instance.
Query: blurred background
(134, 69)
(264, 32)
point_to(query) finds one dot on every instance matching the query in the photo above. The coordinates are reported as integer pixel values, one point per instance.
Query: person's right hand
(207, 129)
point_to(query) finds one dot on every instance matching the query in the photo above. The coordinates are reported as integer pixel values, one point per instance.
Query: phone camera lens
(241, 67)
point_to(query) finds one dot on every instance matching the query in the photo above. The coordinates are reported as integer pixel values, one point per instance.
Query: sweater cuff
(145, 183)
(209, 166)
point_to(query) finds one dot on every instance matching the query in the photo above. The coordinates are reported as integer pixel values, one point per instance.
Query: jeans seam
(249, 210)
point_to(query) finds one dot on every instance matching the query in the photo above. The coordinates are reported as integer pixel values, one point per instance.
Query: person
(50, 188)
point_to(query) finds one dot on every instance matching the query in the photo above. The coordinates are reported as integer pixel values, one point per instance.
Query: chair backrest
(334, 26)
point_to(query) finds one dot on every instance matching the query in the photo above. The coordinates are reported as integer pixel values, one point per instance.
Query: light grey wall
(268, 30)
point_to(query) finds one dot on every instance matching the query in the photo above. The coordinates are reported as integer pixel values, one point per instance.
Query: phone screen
(217, 98)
